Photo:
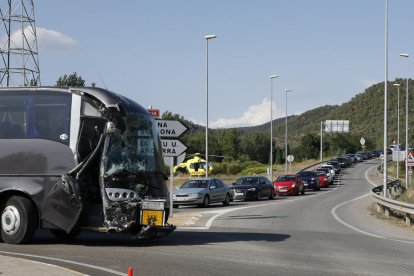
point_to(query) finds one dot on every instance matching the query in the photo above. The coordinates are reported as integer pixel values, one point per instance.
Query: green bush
(254, 170)
(251, 163)
(234, 168)
(219, 168)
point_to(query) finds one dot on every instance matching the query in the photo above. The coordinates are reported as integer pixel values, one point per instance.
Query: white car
(331, 169)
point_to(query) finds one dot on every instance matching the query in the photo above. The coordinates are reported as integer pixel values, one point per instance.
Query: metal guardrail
(387, 204)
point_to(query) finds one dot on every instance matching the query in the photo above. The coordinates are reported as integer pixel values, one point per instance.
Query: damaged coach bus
(76, 159)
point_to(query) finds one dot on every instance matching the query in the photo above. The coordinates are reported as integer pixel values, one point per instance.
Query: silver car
(202, 192)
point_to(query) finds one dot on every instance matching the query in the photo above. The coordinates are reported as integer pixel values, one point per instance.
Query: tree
(230, 143)
(71, 80)
(168, 115)
(256, 146)
(308, 147)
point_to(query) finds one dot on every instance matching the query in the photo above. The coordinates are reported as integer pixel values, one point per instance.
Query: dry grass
(396, 218)
(408, 196)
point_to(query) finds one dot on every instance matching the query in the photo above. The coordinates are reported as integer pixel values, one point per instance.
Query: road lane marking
(334, 214)
(65, 261)
(222, 212)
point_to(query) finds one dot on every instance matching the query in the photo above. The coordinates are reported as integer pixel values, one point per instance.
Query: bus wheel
(18, 220)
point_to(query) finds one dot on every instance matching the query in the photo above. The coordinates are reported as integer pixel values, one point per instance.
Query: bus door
(64, 204)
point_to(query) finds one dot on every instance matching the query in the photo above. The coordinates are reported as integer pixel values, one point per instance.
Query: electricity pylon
(19, 63)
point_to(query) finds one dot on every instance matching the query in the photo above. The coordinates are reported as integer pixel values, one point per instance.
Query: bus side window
(11, 130)
(51, 117)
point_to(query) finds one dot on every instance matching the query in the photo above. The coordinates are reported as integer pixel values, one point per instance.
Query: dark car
(334, 164)
(344, 162)
(375, 153)
(253, 187)
(310, 180)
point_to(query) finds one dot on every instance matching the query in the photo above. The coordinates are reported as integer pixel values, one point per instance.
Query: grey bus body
(74, 159)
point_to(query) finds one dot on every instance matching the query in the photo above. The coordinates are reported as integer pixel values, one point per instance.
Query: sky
(154, 52)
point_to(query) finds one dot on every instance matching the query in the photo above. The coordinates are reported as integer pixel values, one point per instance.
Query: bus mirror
(110, 127)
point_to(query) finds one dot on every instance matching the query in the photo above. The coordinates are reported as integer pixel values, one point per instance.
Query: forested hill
(365, 112)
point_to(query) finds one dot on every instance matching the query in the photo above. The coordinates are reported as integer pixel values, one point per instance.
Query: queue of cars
(206, 191)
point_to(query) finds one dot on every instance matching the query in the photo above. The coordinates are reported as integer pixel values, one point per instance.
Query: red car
(288, 184)
(323, 179)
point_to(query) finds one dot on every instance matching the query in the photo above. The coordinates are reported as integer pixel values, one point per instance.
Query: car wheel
(297, 193)
(226, 202)
(176, 205)
(272, 194)
(303, 191)
(19, 220)
(206, 201)
(259, 195)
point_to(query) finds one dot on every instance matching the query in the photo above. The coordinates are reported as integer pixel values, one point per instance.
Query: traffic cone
(130, 271)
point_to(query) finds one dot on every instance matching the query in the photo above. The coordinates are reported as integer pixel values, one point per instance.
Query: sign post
(290, 158)
(410, 163)
(172, 149)
(362, 141)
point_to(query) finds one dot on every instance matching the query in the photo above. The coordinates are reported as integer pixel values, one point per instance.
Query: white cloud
(50, 40)
(255, 115)
(47, 40)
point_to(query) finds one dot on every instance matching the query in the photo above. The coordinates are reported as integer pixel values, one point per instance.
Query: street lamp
(207, 37)
(406, 123)
(398, 129)
(286, 90)
(385, 101)
(271, 125)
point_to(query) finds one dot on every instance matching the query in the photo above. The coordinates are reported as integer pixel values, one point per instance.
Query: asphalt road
(330, 232)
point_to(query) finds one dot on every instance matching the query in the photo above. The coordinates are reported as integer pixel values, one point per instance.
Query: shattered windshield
(134, 157)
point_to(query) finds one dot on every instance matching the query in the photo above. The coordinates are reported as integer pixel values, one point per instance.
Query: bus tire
(19, 220)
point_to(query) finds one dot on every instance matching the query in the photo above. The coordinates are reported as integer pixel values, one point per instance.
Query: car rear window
(283, 178)
(195, 184)
(248, 180)
(306, 174)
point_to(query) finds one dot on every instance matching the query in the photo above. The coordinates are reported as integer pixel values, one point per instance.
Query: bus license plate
(152, 217)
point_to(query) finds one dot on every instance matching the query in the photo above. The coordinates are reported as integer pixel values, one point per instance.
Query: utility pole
(19, 64)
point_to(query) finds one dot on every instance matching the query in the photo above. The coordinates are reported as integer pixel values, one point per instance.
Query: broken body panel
(87, 158)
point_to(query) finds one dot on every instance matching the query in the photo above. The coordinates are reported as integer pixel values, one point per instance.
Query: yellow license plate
(152, 217)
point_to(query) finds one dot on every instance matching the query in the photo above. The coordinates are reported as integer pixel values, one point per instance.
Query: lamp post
(321, 151)
(207, 37)
(286, 91)
(385, 100)
(406, 124)
(271, 125)
(398, 129)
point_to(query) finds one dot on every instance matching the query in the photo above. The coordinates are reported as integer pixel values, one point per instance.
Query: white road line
(224, 211)
(334, 214)
(65, 261)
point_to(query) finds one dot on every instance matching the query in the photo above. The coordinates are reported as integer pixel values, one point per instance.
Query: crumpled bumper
(152, 231)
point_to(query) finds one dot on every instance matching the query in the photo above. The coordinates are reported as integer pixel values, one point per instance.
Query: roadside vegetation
(247, 168)
(408, 195)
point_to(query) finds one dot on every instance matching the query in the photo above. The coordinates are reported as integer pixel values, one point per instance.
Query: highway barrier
(390, 206)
